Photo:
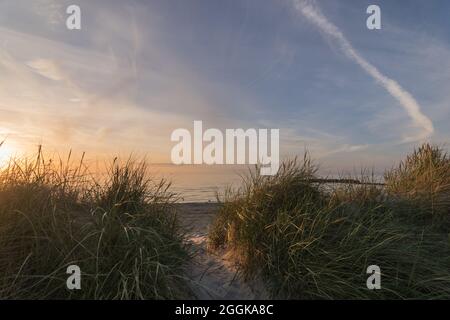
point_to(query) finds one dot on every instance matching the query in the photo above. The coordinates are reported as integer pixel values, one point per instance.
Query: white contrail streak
(310, 11)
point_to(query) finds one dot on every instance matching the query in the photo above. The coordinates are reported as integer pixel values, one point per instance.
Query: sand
(211, 274)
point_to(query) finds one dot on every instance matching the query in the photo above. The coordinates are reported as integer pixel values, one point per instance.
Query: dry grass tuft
(121, 231)
(314, 243)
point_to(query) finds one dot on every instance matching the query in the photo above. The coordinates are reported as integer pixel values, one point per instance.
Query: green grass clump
(308, 242)
(121, 231)
(421, 184)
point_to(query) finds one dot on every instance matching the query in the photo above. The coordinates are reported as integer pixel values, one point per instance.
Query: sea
(203, 183)
(200, 183)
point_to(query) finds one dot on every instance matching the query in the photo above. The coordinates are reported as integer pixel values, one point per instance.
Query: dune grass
(308, 242)
(421, 186)
(305, 240)
(121, 230)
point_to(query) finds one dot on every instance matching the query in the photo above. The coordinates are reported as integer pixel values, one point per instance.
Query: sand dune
(212, 275)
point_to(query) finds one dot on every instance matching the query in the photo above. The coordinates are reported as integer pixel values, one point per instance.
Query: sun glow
(6, 153)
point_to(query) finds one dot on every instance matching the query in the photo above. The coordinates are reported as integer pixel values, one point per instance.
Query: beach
(212, 275)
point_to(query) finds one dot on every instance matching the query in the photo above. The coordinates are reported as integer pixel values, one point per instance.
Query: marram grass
(121, 232)
(303, 240)
(308, 242)
(421, 185)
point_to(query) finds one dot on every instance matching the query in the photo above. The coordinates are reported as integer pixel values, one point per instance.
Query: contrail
(309, 10)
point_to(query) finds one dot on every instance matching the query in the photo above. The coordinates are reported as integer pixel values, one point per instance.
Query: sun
(6, 153)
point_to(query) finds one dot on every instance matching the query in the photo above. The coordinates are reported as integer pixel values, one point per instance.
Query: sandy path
(212, 275)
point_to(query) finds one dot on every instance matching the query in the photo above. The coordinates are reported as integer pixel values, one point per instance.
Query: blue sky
(140, 69)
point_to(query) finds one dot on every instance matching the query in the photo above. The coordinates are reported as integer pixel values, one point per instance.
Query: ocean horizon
(203, 183)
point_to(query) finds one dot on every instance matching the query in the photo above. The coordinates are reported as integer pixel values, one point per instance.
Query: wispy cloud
(86, 97)
(310, 10)
(46, 68)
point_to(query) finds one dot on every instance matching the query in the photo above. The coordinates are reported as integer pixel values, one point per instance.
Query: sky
(137, 70)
